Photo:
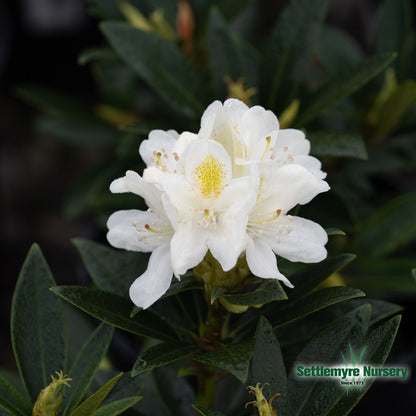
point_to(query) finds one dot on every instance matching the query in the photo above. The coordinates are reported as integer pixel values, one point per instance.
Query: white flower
(288, 176)
(144, 231)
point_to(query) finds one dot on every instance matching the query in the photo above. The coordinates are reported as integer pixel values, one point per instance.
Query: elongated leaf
(229, 57)
(12, 400)
(341, 85)
(391, 226)
(161, 354)
(234, 358)
(325, 347)
(205, 411)
(77, 132)
(327, 143)
(115, 310)
(268, 291)
(38, 329)
(311, 303)
(93, 54)
(307, 279)
(378, 343)
(86, 365)
(394, 30)
(88, 406)
(267, 366)
(111, 270)
(289, 49)
(160, 63)
(117, 407)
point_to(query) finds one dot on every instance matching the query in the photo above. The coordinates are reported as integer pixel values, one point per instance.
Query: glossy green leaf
(160, 63)
(86, 365)
(159, 355)
(334, 231)
(289, 49)
(77, 132)
(229, 57)
(391, 226)
(310, 277)
(266, 292)
(14, 379)
(37, 324)
(115, 310)
(342, 85)
(111, 270)
(12, 400)
(324, 348)
(268, 366)
(117, 407)
(311, 303)
(234, 358)
(88, 406)
(378, 343)
(205, 411)
(326, 143)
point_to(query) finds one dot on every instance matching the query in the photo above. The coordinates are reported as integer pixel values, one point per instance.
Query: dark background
(39, 44)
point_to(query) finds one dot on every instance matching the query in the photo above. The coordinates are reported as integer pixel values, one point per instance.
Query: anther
(268, 139)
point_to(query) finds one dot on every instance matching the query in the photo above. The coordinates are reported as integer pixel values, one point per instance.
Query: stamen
(268, 139)
(275, 216)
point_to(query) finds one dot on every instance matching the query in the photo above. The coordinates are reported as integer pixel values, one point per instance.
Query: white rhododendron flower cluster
(227, 189)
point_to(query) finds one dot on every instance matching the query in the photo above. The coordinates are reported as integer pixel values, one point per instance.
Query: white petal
(262, 261)
(207, 167)
(127, 230)
(291, 142)
(188, 248)
(312, 164)
(285, 187)
(259, 128)
(305, 241)
(208, 119)
(118, 186)
(158, 141)
(155, 281)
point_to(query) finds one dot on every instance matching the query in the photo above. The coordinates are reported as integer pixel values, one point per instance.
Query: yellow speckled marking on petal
(210, 175)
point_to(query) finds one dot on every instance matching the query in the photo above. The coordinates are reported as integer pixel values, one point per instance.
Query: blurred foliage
(159, 65)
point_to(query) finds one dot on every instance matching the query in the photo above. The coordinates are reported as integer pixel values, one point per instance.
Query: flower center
(210, 175)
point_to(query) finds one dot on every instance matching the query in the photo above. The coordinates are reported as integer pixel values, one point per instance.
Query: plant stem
(206, 386)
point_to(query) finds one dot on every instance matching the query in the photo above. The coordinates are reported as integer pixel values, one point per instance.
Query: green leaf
(341, 85)
(391, 226)
(340, 144)
(86, 365)
(159, 355)
(117, 407)
(334, 231)
(12, 400)
(336, 48)
(395, 108)
(266, 292)
(311, 303)
(88, 406)
(394, 31)
(111, 270)
(234, 358)
(268, 366)
(390, 275)
(77, 132)
(160, 63)
(310, 277)
(95, 54)
(378, 343)
(205, 411)
(115, 310)
(229, 57)
(324, 348)
(289, 49)
(37, 324)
